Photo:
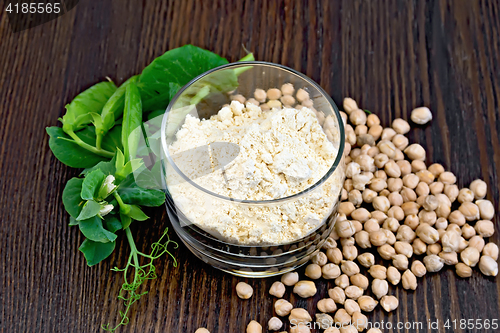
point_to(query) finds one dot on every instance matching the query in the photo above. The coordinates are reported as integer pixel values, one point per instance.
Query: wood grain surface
(389, 55)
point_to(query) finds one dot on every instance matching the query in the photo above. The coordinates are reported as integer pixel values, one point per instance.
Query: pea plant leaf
(90, 209)
(113, 139)
(112, 223)
(95, 252)
(73, 202)
(166, 74)
(137, 214)
(68, 152)
(93, 229)
(91, 100)
(126, 220)
(91, 184)
(131, 193)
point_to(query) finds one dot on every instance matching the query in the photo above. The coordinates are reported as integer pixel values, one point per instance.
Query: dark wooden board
(389, 55)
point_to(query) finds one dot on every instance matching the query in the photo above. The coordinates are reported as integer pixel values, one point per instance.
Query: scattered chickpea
(283, 307)
(401, 126)
(389, 303)
(415, 152)
(305, 289)
(277, 289)
(366, 259)
(477, 242)
(342, 281)
(488, 266)
(202, 330)
(479, 188)
(409, 280)
(491, 250)
(486, 209)
(327, 305)
(313, 271)
(433, 263)
(260, 95)
(288, 100)
(337, 294)
(386, 251)
(449, 258)
(367, 303)
(287, 89)
(451, 191)
(349, 105)
(374, 330)
(320, 259)
(330, 271)
(299, 315)
(274, 324)
(419, 247)
(334, 255)
(463, 270)
(244, 290)
(353, 292)
(470, 256)
(324, 320)
(421, 115)
(388, 133)
(290, 279)
(254, 327)
(380, 287)
(351, 306)
(303, 95)
(393, 275)
(404, 248)
(427, 233)
(342, 317)
(378, 272)
(400, 261)
(451, 241)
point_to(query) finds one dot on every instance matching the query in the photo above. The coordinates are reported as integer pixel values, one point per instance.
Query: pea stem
(81, 143)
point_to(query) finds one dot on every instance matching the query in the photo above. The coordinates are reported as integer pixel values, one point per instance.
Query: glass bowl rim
(311, 188)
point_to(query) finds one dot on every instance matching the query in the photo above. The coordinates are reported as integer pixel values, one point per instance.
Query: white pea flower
(107, 187)
(106, 209)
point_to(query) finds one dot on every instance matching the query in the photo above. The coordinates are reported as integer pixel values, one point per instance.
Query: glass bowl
(204, 97)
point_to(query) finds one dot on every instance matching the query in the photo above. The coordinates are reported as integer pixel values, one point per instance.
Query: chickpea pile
(413, 216)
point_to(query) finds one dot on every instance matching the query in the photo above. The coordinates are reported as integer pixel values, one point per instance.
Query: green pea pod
(132, 121)
(111, 111)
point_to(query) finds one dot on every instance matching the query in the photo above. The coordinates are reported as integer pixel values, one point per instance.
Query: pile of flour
(281, 152)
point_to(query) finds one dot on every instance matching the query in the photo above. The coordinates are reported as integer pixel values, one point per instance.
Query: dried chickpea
(415, 152)
(362, 239)
(447, 178)
(488, 266)
(342, 281)
(470, 256)
(350, 252)
(384, 193)
(366, 259)
(451, 192)
(441, 223)
(290, 279)
(334, 255)
(330, 271)
(421, 115)
(391, 238)
(283, 307)
(401, 126)
(358, 117)
(387, 147)
(380, 174)
(378, 238)
(378, 184)
(368, 195)
(411, 181)
(320, 258)
(337, 294)
(484, 228)
(394, 184)
(433, 249)
(380, 288)
(388, 133)
(469, 210)
(463, 270)
(353, 292)
(409, 280)
(380, 160)
(379, 216)
(349, 104)
(486, 209)
(300, 328)
(450, 241)
(277, 289)
(347, 241)
(299, 315)
(408, 194)
(254, 327)
(479, 188)
(433, 263)
(202, 330)
(361, 215)
(393, 275)
(428, 217)
(305, 289)
(389, 303)
(396, 199)
(349, 268)
(382, 204)
(386, 251)
(392, 169)
(375, 131)
(378, 272)
(367, 303)
(410, 208)
(418, 268)
(400, 261)
(403, 248)
(465, 195)
(400, 141)
(313, 271)
(288, 100)
(303, 95)
(417, 165)
(491, 250)
(342, 317)
(374, 330)
(244, 290)
(427, 234)
(391, 224)
(327, 305)
(405, 234)
(422, 189)
(457, 217)
(468, 231)
(449, 258)
(477, 242)
(359, 280)
(351, 306)
(412, 221)
(419, 247)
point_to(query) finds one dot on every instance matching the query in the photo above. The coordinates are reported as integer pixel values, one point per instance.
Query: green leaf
(73, 221)
(137, 214)
(91, 184)
(68, 152)
(126, 220)
(368, 111)
(93, 229)
(112, 223)
(108, 168)
(113, 139)
(128, 168)
(95, 252)
(90, 209)
(173, 70)
(71, 198)
(91, 100)
(132, 122)
(131, 193)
